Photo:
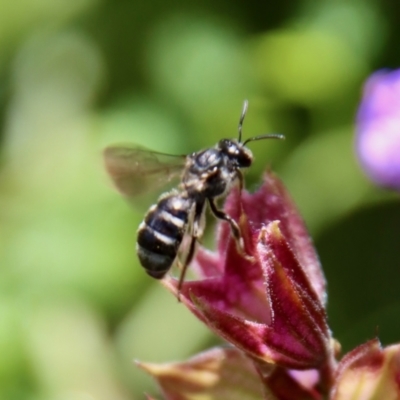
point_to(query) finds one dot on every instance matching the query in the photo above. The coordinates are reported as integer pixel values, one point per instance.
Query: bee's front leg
(235, 229)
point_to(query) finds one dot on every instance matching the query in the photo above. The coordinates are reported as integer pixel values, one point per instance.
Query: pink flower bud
(369, 372)
(270, 307)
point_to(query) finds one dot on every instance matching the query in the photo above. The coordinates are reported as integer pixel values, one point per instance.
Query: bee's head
(239, 155)
(236, 150)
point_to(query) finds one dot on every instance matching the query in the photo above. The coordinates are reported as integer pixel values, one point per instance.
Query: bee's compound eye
(244, 158)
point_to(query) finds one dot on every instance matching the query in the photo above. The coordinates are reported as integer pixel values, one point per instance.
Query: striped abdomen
(160, 234)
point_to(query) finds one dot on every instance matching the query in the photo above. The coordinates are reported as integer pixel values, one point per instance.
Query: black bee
(205, 176)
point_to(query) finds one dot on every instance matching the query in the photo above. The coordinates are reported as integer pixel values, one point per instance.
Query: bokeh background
(76, 309)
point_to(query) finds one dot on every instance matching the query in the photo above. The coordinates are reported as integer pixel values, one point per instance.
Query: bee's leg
(237, 235)
(241, 179)
(220, 214)
(197, 232)
(188, 260)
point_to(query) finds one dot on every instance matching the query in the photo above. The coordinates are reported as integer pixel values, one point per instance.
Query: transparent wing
(135, 170)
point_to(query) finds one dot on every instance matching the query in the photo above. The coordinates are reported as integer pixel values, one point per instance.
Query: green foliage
(75, 307)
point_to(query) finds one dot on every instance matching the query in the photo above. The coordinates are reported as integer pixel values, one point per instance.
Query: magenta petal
(299, 319)
(239, 291)
(271, 306)
(272, 202)
(207, 264)
(293, 333)
(246, 335)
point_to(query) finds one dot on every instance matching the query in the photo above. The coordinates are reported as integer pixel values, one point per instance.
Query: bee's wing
(135, 170)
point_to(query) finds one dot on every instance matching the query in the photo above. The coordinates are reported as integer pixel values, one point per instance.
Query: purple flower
(378, 128)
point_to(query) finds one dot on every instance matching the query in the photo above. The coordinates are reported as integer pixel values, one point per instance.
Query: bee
(205, 176)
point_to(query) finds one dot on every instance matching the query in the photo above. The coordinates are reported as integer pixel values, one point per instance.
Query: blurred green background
(75, 307)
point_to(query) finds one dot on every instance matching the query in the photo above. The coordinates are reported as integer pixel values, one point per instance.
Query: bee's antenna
(260, 137)
(244, 111)
(265, 136)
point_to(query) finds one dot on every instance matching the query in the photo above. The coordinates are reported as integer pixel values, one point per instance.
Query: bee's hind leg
(197, 233)
(184, 266)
